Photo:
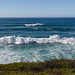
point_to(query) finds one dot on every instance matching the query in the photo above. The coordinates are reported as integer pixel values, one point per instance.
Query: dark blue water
(54, 39)
(52, 26)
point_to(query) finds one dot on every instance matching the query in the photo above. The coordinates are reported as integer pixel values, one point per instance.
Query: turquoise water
(36, 39)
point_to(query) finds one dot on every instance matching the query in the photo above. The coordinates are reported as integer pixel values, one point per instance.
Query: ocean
(36, 39)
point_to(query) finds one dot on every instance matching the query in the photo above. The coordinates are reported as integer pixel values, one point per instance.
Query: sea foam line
(26, 40)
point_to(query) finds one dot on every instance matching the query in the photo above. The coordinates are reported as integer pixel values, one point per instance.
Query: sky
(37, 8)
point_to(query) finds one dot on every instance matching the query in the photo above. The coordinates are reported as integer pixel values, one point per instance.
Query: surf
(28, 40)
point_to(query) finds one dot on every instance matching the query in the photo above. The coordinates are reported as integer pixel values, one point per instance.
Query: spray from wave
(27, 40)
(36, 24)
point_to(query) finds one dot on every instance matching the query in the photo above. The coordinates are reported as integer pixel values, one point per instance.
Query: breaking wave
(36, 24)
(27, 40)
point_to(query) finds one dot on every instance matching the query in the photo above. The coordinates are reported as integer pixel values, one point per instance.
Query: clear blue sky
(37, 8)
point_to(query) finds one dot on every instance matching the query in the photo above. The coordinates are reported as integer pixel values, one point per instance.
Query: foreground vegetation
(53, 67)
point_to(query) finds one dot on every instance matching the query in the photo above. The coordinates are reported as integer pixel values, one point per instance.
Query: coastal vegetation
(52, 67)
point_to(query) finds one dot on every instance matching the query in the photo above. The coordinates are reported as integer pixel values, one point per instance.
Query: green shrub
(53, 67)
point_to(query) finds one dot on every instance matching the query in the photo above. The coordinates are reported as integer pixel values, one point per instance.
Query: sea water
(36, 39)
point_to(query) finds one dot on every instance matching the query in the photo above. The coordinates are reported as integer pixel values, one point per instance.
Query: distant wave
(26, 40)
(36, 24)
(36, 29)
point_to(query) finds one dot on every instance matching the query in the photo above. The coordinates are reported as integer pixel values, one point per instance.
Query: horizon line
(37, 17)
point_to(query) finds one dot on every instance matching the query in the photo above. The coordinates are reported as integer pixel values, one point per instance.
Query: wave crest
(36, 24)
(26, 40)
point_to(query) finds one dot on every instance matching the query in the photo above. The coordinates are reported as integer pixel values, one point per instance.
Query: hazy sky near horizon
(37, 8)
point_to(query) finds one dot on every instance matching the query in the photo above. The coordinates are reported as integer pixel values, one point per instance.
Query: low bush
(53, 67)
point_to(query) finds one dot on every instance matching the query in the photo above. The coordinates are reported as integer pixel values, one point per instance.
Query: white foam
(36, 24)
(10, 53)
(25, 40)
